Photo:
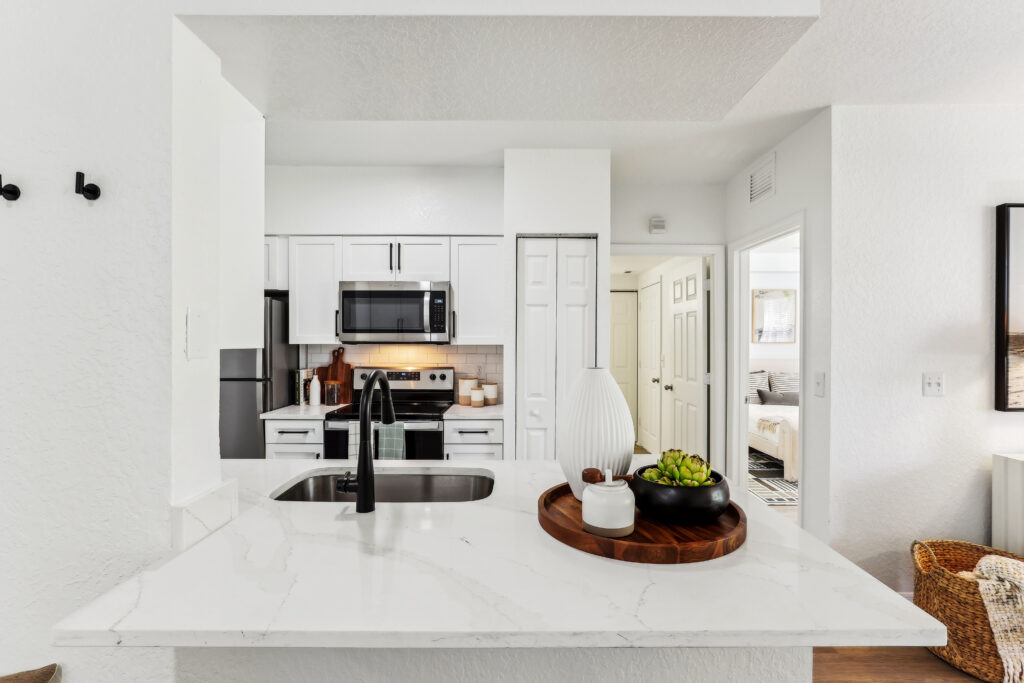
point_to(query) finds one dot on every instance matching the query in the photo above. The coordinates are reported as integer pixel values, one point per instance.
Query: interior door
(422, 259)
(624, 346)
(577, 317)
(535, 339)
(369, 258)
(684, 399)
(649, 369)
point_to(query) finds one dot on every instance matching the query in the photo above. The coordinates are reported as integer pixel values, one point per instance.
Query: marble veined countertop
(481, 574)
(303, 412)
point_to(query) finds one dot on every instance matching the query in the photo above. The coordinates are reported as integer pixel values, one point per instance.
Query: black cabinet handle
(399, 257)
(335, 323)
(391, 257)
(294, 431)
(473, 431)
(451, 333)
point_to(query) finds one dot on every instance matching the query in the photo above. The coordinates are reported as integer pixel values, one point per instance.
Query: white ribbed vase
(598, 430)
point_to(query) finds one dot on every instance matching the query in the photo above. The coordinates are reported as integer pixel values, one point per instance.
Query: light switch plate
(819, 384)
(933, 384)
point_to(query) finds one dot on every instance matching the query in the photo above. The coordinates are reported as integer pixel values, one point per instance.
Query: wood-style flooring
(871, 664)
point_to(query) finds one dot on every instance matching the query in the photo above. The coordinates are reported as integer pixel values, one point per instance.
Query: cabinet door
(476, 452)
(291, 451)
(275, 262)
(478, 290)
(314, 270)
(369, 258)
(422, 259)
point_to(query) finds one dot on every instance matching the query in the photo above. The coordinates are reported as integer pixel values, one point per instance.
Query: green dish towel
(391, 441)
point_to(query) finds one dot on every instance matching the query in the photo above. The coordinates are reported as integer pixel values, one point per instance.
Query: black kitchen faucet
(363, 483)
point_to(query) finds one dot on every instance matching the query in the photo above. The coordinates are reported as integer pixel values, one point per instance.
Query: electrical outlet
(819, 384)
(933, 384)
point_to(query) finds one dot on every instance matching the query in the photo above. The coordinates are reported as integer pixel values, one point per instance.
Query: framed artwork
(691, 287)
(773, 316)
(1009, 307)
(677, 291)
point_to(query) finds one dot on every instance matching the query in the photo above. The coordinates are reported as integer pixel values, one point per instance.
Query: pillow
(779, 398)
(757, 380)
(784, 381)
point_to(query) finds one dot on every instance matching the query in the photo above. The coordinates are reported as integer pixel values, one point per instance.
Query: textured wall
(913, 290)
(86, 326)
(694, 214)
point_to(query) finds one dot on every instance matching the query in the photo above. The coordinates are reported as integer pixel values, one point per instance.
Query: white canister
(476, 397)
(490, 393)
(609, 508)
(466, 385)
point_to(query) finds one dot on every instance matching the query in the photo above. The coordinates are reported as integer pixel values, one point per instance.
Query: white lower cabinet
(295, 451)
(473, 452)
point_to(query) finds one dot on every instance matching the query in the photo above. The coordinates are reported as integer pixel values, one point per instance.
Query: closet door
(576, 311)
(535, 338)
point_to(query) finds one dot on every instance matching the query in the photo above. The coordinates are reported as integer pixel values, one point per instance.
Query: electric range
(420, 397)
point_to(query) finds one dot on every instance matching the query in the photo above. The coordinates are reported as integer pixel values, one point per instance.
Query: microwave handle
(336, 323)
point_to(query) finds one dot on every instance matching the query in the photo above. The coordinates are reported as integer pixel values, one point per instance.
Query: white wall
(913, 290)
(776, 271)
(242, 143)
(383, 200)
(85, 432)
(694, 214)
(195, 261)
(803, 193)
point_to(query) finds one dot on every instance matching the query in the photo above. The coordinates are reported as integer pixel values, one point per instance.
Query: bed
(774, 430)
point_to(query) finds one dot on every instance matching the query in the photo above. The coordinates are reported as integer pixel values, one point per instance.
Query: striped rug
(774, 490)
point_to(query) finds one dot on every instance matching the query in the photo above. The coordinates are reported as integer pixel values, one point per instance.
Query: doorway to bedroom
(772, 347)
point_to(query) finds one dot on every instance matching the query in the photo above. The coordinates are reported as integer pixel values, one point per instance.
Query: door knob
(655, 380)
(668, 387)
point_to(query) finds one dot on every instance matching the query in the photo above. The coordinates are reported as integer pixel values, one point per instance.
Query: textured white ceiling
(899, 52)
(496, 68)
(642, 151)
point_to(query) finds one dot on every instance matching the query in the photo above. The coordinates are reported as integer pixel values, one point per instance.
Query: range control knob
(443, 377)
(363, 376)
(432, 377)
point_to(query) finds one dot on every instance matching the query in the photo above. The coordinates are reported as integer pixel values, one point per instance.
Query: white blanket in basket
(1001, 584)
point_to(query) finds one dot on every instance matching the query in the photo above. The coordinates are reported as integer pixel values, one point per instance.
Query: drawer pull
(294, 431)
(473, 431)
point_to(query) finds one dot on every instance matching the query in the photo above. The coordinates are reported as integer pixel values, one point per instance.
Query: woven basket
(957, 603)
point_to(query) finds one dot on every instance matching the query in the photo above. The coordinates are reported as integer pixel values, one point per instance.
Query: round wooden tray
(561, 515)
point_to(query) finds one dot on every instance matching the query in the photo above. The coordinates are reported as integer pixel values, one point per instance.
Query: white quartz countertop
(460, 412)
(481, 574)
(300, 412)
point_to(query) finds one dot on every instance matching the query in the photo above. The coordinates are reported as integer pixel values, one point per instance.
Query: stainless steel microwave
(394, 312)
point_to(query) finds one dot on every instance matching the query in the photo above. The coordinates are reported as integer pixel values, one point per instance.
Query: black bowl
(683, 505)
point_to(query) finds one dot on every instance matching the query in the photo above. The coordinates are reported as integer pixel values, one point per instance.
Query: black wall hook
(9, 192)
(89, 191)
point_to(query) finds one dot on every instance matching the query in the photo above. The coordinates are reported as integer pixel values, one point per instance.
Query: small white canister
(609, 508)
(466, 385)
(476, 397)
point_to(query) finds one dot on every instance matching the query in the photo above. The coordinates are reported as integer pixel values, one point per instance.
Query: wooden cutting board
(561, 515)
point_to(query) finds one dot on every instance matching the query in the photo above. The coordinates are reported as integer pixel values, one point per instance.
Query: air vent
(762, 179)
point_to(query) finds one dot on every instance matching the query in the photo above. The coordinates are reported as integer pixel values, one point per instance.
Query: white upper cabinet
(370, 258)
(314, 270)
(422, 259)
(389, 258)
(478, 290)
(275, 262)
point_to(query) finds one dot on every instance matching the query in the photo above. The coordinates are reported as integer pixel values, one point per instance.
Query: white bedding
(784, 442)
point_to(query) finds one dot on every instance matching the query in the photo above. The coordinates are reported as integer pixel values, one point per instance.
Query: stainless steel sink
(420, 485)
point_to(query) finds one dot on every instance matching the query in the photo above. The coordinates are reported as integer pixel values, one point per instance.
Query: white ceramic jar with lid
(609, 508)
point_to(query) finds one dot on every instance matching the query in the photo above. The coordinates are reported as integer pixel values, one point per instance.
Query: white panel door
(535, 335)
(623, 346)
(422, 259)
(478, 290)
(684, 412)
(314, 270)
(369, 258)
(577, 317)
(649, 369)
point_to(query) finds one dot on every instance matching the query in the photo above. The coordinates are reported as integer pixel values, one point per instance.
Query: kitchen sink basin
(415, 486)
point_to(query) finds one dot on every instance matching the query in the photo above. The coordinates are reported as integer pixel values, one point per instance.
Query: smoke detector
(656, 225)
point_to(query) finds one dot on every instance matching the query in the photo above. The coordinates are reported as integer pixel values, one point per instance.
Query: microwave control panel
(438, 312)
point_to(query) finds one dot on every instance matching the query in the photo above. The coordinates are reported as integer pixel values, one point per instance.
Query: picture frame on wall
(1009, 333)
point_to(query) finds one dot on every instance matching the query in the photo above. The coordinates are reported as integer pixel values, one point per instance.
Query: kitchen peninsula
(484, 578)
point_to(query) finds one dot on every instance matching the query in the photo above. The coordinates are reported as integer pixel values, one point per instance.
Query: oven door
(423, 441)
(393, 312)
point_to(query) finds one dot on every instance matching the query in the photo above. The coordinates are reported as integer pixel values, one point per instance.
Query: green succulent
(676, 468)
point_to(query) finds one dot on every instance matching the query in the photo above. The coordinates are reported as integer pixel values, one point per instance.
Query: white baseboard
(200, 516)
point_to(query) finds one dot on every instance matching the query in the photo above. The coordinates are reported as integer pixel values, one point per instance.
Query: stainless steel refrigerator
(254, 381)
